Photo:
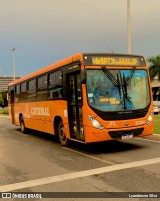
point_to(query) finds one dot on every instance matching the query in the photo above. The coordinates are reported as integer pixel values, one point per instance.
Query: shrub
(4, 110)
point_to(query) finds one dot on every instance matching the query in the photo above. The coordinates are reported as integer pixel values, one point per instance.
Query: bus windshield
(111, 90)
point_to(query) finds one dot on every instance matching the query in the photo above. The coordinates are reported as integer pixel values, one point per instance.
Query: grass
(157, 117)
(156, 124)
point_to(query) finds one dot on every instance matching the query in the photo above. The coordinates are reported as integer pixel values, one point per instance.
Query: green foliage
(4, 110)
(3, 95)
(156, 124)
(154, 66)
(1, 100)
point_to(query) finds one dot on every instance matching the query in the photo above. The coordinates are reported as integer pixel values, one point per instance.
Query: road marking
(75, 175)
(90, 156)
(147, 140)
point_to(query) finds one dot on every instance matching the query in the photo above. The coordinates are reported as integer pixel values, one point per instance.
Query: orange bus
(88, 98)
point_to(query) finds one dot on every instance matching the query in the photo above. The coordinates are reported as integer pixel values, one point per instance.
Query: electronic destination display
(114, 60)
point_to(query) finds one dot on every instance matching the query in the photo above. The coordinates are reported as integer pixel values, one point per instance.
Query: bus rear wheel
(22, 125)
(61, 134)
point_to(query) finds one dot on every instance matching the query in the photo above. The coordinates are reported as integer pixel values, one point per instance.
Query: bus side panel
(40, 115)
(52, 109)
(30, 120)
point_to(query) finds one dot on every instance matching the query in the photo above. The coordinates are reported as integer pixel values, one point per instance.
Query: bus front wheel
(22, 125)
(61, 133)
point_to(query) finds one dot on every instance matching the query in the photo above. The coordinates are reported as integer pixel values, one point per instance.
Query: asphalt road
(38, 163)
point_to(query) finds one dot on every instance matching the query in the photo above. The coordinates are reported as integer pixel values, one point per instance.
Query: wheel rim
(22, 124)
(62, 135)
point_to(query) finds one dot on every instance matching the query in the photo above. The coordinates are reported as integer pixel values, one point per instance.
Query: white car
(156, 109)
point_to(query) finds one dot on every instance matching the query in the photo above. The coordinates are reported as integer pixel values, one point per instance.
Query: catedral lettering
(86, 98)
(114, 61)
(44, 111)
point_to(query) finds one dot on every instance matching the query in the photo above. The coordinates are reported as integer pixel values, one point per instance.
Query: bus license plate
(127, 137)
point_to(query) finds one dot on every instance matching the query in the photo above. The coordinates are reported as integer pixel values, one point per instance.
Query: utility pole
(14, 63)
(129, 26)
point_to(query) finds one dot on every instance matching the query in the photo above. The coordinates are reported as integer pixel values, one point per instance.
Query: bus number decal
(137, 123)
(44, 111)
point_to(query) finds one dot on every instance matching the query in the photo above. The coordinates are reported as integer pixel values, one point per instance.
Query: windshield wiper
(128, 79)
(119, 86)
(121, 83)
(110, 76)
(127, 102)
(113, 79)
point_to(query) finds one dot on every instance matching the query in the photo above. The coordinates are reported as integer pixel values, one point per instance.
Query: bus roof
(51, 67)
(86, 57)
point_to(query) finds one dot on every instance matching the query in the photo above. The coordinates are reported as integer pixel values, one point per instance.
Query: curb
(4, 115)
(155, 137)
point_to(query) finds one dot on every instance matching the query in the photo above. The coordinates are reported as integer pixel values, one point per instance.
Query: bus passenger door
(12, 105)
(74, 95)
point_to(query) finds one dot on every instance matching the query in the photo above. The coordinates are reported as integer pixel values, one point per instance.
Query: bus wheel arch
(22, 124)
(60, 131)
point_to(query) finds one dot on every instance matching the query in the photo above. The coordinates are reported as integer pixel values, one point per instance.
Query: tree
(1, 100)
(4, 95)
(154, 67)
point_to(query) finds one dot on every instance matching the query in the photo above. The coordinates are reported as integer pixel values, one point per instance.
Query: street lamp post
(14, 63)
(129, 26)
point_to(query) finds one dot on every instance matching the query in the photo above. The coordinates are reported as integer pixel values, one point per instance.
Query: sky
(45, 31)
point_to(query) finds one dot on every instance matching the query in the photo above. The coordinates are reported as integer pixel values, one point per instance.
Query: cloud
(44, 31)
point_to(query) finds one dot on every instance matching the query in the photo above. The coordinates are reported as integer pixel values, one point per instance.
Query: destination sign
(120, 61)
(115, 60)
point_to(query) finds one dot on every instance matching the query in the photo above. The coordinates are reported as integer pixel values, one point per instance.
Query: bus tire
(61, 134)
(22, 125)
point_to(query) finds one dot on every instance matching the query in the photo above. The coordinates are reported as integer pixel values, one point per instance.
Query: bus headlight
(95, 123)
(150, 118)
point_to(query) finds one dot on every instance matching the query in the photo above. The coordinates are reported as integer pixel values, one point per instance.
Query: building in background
(155, 88)
(156, 94)
(5, 80)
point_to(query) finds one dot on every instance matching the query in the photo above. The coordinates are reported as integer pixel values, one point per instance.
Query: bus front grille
(120, 133)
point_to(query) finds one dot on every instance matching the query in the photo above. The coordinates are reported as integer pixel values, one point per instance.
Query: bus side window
(23, 91)
(32, 89)
(55, 85)
(42, 83)
(17, 93)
